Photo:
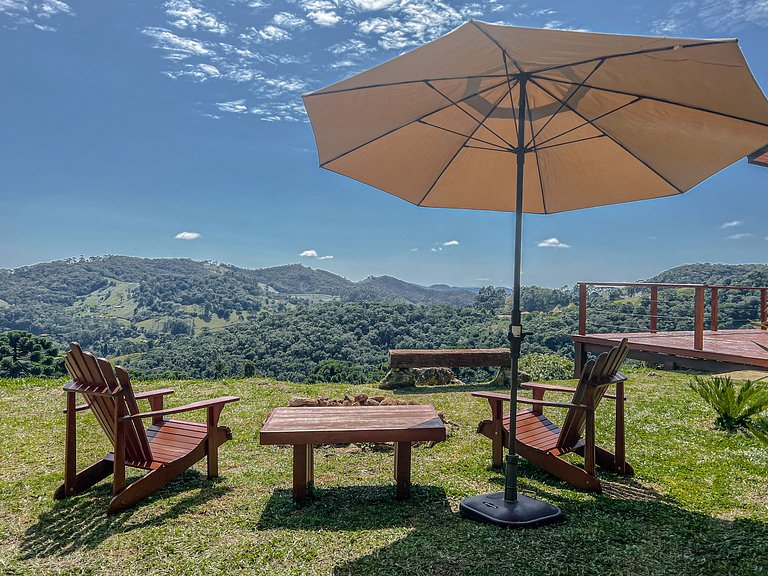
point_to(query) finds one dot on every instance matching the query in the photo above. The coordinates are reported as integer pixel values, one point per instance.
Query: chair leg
(70, 453)
(589, 444)
(621, 457)
(213, 456)
(156, 479)
(118, 480)
(85, 479)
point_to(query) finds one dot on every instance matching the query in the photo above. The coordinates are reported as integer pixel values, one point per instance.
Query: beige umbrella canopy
(610, 118)
(500, 118)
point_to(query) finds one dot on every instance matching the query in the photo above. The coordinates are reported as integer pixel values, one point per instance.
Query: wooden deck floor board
(731, 346)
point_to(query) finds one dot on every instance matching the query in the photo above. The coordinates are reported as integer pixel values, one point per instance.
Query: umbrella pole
(509, 508)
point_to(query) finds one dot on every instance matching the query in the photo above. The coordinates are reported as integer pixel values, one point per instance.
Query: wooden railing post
(715, 309)
(654, 309)
(763, 308)
(582, 308)
(698, 318)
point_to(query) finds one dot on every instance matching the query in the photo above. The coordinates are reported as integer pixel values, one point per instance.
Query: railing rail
(699, 293)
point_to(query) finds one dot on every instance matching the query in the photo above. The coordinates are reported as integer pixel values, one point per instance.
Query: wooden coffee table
(304, 427)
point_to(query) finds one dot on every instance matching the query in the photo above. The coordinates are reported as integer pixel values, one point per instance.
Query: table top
(344, 424)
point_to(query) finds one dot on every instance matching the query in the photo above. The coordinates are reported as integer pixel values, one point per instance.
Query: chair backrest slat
(102, 408)
(97, 374)
(143, 452)
(595, 378)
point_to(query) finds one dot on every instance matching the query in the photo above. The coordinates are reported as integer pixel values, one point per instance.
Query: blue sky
(125, 124)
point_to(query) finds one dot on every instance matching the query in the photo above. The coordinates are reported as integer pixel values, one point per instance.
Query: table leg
(403, 469)
(302, 471)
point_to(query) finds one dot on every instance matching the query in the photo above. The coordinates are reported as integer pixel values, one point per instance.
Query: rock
(298, 401)
(435, 377)
(398, 378)
(388, 402)
(361, 398)
(653, 374)
(378, 398)
(370, 402)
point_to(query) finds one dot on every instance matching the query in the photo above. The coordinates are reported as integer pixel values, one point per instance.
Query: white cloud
(191, 15)
(326, 18)
(29, 12)
(176, 47)
(368, 5)
(552, 243)
(731, 224)
(187, 236)
(272, 33)
(416, 249)
(451, 243)
(235, 106)
(313, 254)
(288, 20)
(739, 236)
(718, 16)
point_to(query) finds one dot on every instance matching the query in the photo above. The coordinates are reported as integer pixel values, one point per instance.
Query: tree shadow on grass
(353, 508)
(631, 529)
(81, 523)
(450, 388)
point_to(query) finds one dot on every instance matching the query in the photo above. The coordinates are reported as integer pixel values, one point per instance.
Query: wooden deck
(721, 350)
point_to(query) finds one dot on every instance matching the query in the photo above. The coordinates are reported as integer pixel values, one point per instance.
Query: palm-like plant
(738, 407)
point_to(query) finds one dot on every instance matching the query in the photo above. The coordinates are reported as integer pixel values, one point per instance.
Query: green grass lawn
(698, 504)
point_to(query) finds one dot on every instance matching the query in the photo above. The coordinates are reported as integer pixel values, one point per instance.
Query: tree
(490, 299)
(22, 354)
(336, 371)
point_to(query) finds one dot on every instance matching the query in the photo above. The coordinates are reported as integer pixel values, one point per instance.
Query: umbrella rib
(541, 146)
(562, 104)
(654, 99)
(509, 88)
(538, 166)
(388, 132)
(502, 148)
(601, 135)
(499, 46)
(403, 83)
(634, 53)
(458, 151)
(470, 115)
(507, 151)
(627, 150)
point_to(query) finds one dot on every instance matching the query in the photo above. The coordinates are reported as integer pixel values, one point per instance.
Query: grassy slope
(697, 506)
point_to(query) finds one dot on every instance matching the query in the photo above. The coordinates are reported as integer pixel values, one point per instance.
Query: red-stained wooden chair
(167, 448)
(543, 443)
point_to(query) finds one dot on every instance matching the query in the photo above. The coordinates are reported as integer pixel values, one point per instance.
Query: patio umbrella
(516, 119)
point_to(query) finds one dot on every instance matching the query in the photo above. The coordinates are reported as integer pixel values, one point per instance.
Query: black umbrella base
(525, 512)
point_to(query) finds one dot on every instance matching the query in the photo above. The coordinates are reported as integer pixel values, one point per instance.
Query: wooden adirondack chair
(542, 442)
(167, 448)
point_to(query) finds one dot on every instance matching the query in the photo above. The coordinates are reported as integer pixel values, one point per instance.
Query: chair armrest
(186, 408)
(153, 393)
(554, 404)
(497, 396)
(492, 395)
(555, 388)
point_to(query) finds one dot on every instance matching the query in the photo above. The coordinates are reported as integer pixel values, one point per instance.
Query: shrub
(336, 371)
(738, 407)
(546, 366)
